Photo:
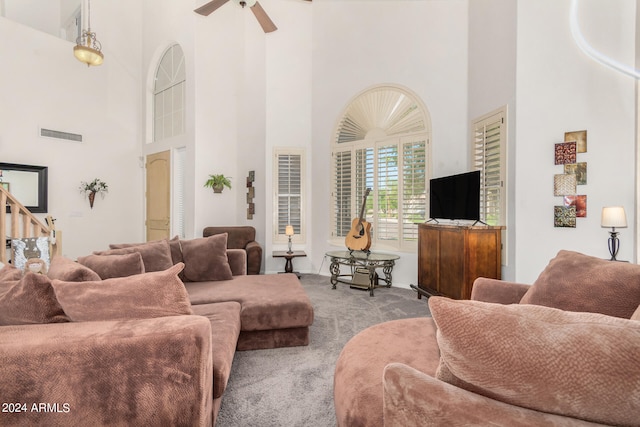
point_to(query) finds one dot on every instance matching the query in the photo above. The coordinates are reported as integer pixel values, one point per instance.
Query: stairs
(24, 224)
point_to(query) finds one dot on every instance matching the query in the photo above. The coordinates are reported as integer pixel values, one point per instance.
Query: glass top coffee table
(358, 260)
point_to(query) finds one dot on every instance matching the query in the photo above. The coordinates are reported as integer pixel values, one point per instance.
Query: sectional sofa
(561, 352)
(138, 334)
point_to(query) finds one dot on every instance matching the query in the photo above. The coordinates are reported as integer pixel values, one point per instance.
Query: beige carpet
(294, 386)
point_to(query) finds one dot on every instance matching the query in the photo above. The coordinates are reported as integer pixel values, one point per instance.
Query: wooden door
(158, 219)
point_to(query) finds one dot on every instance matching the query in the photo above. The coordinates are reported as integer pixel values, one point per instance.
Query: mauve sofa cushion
(174, 246)
(576, 282)
(269, 301)
(10, 273)
(146, 295)
(30, 300)
(110, 266)
(225, 324)
(63, 268)
(357, 384)
(156, 255)
(581, 365)
(205, 259)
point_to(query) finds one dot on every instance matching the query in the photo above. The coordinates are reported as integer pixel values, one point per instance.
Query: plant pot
(218, 188)
(92, 197)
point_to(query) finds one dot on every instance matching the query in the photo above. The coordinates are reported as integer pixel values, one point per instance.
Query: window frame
(497, 119)
(176, 80)
(300, 235)
(403, 241)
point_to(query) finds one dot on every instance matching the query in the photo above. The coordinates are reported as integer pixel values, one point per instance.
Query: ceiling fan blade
(208, 8)
(262, 17)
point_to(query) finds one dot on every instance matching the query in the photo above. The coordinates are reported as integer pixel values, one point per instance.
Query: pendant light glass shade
(88, 48)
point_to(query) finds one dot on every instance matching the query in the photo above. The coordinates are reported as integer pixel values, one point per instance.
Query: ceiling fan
(263, 19)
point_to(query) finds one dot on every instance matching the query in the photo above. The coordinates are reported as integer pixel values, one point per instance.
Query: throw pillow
(10, 273)
(110, 266)
(30, 247)
(63, 268)
(581, 365)
(156, 255)
(206, 259)
(155, 294)
(174, 245)
(576, 282)
(29, 300)
(636, 314)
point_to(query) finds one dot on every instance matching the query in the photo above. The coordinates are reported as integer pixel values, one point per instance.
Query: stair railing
(24, 224)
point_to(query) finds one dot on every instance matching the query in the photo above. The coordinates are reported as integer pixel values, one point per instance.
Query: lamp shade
(613, 216)
(289, 230)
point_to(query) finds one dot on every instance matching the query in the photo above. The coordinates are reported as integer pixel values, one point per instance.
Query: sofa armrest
(254, 257)
(237, 261)
(136, 372)
(413, 398)
(497, 291)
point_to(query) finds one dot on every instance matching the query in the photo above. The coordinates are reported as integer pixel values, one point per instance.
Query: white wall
(288, 114)
(492, 85)
(421, 45)
(44, 85)
(560, 89)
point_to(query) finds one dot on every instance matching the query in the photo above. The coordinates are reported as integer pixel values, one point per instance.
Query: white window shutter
(488, 148)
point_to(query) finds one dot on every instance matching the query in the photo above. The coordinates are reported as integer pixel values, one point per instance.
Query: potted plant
(92, 188)
(218, 182)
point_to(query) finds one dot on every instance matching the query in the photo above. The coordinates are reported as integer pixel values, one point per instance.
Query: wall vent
(67, 136)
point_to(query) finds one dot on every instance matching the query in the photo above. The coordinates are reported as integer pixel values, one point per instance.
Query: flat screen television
(455, 196)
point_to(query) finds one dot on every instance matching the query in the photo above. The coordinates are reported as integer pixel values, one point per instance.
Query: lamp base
(614, 245)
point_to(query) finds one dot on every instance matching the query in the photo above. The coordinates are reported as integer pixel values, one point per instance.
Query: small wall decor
(579, 170)
(580, 202)
(580, 137)
(565, 185)
(90, 189)
(564, 216)
(565, 152)
(251, 207)
(218, 182)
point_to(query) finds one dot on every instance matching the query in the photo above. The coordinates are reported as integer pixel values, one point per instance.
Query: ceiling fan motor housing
(244, 3)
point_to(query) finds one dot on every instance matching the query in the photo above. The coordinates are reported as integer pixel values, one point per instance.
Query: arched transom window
(169, 95)
(381, 143)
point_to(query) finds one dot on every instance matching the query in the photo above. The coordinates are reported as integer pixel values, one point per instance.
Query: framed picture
(252, 176)
(580, 137)
(565, 152)
(579, 170)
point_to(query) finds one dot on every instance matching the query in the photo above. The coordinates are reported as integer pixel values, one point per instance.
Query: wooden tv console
(451, 257)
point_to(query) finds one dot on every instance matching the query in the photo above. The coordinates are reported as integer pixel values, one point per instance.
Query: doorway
(158, 220)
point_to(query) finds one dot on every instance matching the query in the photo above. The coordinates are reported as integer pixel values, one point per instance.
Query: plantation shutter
(387, 192)
(414, 177)
(488, 149)
(289, 192)
(342, 193)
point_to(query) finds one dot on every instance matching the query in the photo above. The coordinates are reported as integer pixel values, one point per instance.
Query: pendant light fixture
(87, 48)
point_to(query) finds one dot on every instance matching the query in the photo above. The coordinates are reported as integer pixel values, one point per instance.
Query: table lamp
(289, 232)
(613, 216)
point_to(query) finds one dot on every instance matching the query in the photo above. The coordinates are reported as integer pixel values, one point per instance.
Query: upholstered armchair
(241, 237)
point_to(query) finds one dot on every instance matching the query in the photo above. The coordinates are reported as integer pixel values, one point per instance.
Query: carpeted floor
(291, 387)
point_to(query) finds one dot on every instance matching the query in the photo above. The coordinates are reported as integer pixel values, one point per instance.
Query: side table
(288, 265)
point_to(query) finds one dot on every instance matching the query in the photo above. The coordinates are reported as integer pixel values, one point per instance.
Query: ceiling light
(87, 48)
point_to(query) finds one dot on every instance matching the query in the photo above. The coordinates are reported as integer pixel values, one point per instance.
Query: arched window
(381, 143)
(169, 95)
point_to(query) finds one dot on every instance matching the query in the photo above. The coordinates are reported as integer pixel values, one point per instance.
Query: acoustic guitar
(359, 236)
